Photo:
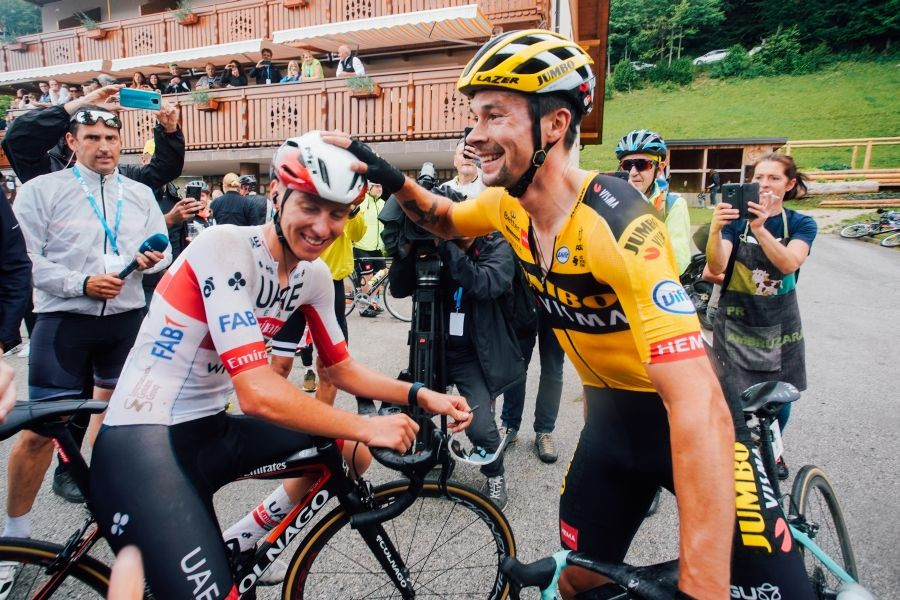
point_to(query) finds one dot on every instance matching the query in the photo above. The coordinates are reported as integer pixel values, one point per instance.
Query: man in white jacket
(82, 226)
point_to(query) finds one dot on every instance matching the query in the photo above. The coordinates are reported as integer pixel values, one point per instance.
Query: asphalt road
(846, 421)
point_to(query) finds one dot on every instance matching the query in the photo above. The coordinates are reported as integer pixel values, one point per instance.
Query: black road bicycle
(356, 298)
(406, 539)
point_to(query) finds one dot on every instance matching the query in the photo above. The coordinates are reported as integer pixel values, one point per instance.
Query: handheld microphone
(157, 242)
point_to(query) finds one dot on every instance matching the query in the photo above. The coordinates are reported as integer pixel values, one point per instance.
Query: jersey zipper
(105, 238)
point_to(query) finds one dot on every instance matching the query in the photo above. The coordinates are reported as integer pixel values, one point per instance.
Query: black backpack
(520, 305)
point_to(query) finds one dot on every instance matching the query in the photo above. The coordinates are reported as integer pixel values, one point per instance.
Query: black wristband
(413, 392)
(84, 286)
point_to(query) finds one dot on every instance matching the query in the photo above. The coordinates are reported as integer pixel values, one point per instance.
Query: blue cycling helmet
(642, 140)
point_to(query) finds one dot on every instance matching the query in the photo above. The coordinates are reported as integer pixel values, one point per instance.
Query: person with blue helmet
(642, 154)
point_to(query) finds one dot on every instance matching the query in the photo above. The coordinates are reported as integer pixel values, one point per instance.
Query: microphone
(157, 242)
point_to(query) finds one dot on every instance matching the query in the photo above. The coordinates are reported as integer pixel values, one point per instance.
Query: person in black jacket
(35, 142)
(264, 71)
(233, 208)
(482, 353)
(15, 278)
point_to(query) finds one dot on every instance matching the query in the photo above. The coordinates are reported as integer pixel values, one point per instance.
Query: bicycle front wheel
(400, 308)
(350, 291)
(856, 230)
(452, 548)
(819, 516)
(891, 241)
(25, 572)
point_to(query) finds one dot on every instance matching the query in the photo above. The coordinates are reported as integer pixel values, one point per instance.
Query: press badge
(113, 263)
(456, 323)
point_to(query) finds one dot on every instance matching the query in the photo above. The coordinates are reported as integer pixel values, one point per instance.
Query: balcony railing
(412, 105)
(228, 22)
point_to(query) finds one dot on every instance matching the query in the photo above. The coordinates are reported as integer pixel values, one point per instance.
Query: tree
(18, 17)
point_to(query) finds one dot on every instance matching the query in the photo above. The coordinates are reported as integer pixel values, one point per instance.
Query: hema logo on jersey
(671, 297)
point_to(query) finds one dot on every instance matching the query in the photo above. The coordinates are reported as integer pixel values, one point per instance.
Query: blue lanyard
(457, 297)
(109, 234)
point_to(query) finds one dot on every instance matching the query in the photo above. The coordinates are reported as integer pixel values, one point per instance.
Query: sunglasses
(91, 117)
(641, 164)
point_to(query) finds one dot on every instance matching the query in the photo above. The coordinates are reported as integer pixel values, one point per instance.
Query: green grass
(846, 100)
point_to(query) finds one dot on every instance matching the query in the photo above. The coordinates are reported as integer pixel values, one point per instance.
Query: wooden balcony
(229, 22)
(417, 105)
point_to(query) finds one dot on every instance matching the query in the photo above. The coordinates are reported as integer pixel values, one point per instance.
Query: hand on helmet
(377, 170)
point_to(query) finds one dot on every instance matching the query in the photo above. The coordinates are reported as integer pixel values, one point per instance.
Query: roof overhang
(246, 51)
(455, 23)
(65, 73)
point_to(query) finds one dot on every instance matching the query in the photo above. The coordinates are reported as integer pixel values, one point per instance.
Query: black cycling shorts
(624, 455)
(72, 353)
(368, 261)
(152, 486)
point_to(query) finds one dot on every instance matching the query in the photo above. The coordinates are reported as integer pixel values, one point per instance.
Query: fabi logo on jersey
(232, 321)
(169, 338)
(671, 297)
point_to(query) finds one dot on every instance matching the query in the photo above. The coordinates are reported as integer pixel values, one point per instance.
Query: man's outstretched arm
(426, 209)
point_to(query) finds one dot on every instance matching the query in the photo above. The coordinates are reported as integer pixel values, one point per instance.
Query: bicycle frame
(805, 541)
(332, 480)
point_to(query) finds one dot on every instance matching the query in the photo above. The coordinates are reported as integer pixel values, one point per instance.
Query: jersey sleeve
(662, 317)
(803, 228)
(318, 308)
(216, 292)
(479, 215)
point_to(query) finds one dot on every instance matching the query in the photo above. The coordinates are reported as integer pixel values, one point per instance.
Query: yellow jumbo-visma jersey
(612, 294)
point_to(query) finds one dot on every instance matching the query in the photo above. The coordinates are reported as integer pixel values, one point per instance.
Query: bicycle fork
(388, 557)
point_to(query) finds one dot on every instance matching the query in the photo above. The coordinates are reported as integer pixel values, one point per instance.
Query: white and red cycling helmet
(310, 165)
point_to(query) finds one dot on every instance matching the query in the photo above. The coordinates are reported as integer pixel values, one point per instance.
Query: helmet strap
(276, 219)
(517, 190)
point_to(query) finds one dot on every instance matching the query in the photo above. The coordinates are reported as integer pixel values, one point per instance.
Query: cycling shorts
(624, 455)
(71, 353)
(152, 486)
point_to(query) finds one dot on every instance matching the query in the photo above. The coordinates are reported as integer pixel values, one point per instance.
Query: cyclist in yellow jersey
(602, 266)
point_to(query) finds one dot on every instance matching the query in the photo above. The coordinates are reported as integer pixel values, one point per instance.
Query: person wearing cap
(82, 227)
(189, 424)
(234, 207)
(177, 84)
(598, 257)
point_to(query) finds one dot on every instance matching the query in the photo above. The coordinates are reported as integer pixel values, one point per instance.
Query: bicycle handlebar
(414, 466)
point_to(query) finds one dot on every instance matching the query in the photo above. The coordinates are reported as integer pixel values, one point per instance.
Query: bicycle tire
(400, 308)
(891, 241)
(351, 289)
(857, 230)
(315, 572)
(89, 578)
(819, 515)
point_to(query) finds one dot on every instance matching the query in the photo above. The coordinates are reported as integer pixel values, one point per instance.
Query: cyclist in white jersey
(168, 444)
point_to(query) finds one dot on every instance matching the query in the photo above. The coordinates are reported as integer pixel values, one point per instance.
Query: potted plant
(203, 102)
(362, 86)
(93, 27)
(184, 15)
(17, 46)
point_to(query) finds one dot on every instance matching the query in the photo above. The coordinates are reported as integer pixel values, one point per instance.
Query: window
(75, 20)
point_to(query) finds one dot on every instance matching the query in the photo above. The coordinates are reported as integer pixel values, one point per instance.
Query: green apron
(757, 332)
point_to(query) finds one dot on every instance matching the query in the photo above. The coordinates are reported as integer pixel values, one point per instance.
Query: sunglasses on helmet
(641, 164)
(91, 117)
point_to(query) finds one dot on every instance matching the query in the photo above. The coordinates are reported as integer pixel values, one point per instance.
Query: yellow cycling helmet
(532, 61)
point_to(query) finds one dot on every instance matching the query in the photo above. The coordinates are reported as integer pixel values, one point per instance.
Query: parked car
(710, 57)
(640, 66)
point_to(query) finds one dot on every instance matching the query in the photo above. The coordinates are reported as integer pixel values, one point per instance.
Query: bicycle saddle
(27, 415)
(768, 396)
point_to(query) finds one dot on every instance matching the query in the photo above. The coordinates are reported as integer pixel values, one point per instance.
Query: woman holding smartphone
(757, 331)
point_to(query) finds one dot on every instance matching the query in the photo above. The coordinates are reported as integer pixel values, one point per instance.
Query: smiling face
(502, 136)
(310, 224)
(97, 147)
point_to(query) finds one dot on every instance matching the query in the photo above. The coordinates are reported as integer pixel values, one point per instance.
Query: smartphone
(738, 195)
(192, 192)
(145, 99)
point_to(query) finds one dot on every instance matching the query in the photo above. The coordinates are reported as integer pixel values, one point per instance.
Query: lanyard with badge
(113, 263)
(457, 318)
